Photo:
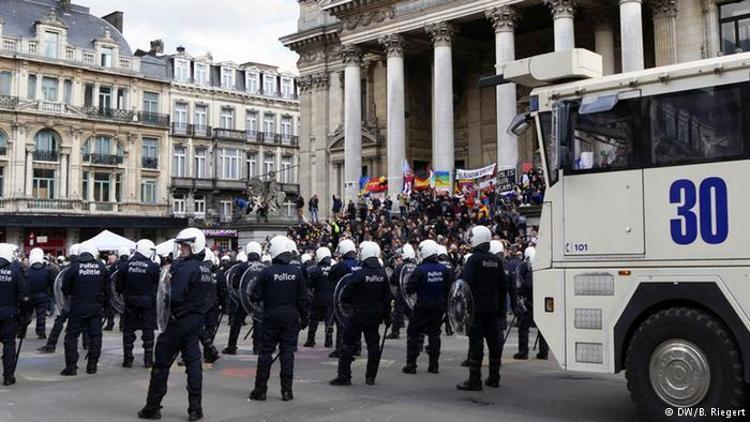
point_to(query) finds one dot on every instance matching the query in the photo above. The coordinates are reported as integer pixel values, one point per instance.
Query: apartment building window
(6, 83)
(734, 20)
(253, 82)
(3, 143)
(226, 209)
(286, 170)
(51, 44)
(67, 91)
(201, 117)
(106, 57)
(201, 74)
(199, 202)
(180, 116)
(269, 84)
(85, 186)
(251, 122)
(44, 184)
(181, 70)
(287, 87)
(227, 118)
(31, 88)
(180, 157)
(150, 157)
(105, 97)
(49, 89)
(201, 169)
(150, 102)
(46, 143)
(230, 163)
(178, 205)
(101, 187)
(252, 165)
(286, 127)
(269, 124)
(148, 191)
(268, 165)
(227, 78)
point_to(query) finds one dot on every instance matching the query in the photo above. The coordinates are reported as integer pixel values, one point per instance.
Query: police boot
(474, 383)
(329, 341)
(410, 368)
(334, 354)
(310, 339)
(91, 366)
(286, 389)
(41, 336)
(211, 355)
(148, 358)
(521, 355)
(9, 380)
(229, 351)
(195, 410)
(148, 412)
(434, 367)
(261, 384)
(69, 371)
(493, 380)
(127, 361)
(48, 348)
(339, 380)
(542, 356)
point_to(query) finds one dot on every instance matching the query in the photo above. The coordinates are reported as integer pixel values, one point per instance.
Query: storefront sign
(220, 233)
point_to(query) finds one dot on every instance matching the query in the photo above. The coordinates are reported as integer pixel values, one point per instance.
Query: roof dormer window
(227, 78)
(269, 84)
(106, 56)
(51, 44)
(181, 70)
(253, 81)
(201, 74)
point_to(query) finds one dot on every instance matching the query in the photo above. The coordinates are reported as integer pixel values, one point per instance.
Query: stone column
(335, 100)
(29, 170)
(62, 191)
(396, 141)
(631, 35)
(74, 161)
(352, 58)
(321, 83)
(442, 97)
(503, 20)
(95, 100)
(604, 38)
(305, 166)
(665, 31)
(563, 13)
(60, 89)
(712, 42)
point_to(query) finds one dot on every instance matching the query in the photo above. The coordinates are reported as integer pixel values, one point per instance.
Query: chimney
(64, 5)
(180, 49)
(157, 47)
(115, 19)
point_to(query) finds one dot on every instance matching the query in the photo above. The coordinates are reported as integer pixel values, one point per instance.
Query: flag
(373, 185)
(408, 182)
(423, 183)
(442, 181)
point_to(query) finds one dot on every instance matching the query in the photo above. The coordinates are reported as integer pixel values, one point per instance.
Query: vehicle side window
(700, 125)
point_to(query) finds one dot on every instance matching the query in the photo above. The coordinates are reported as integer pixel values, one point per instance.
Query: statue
(265, 197)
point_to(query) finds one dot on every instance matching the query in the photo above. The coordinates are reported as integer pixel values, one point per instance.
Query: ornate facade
(403, 76)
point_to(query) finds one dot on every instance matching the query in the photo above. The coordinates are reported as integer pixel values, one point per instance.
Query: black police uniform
(522, 291)
(59, 323)
(191, 283)
(370, 298)
(237, 313)
(40, 279)
(219, 299)
(430, 281)
(12, 295)
(400, 309)
(283, 291)
(347, 265)
(322, 303)
(138, 280)
(484, 274)
(88, 286)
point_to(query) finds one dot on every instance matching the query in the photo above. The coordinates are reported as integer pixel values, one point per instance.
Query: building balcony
(46, 155)
(8, 102)
(103, 159)
(149, 162)
(53, 204)
(106, 113)
(181, 129)
(51, 107)
(229, 134)
(224, 184)
(154, 119)
(289, 140)
(253, 135)
(202, 131)
(105, 207)
(192, 183)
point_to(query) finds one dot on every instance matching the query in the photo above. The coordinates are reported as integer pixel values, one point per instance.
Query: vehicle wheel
(683, 357)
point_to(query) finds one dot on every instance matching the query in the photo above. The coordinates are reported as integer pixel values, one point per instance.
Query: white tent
(165, 248)
(108, 241)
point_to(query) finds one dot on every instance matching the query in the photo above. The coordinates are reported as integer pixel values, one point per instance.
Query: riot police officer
(218, 298)
(137, 280)
(430, 281)
(445, 260)
(282, 290)
(237, 313)
(62, 316)
(408, 256)
(347, 252)
(88, 286)
(370, 297)
(483, 272)
(317, 277)
(190, 284)
(523, 306)
(12, 295)
(40, 278)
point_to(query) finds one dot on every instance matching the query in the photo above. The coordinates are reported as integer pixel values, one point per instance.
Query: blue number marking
(685, 229)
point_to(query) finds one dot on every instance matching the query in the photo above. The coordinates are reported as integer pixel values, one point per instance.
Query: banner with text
(476, 174)
(506, 179)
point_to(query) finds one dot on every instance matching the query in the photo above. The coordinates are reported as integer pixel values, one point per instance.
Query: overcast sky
(236, 30)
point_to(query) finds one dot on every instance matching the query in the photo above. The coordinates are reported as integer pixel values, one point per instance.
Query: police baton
(510, 327)
(18, 354)
(250, 331)
(216, 329)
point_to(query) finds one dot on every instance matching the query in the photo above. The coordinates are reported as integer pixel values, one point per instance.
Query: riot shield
(233, 276)
(62, 302)
(406, 271)
(461, 307)
(211, 297)
(116, 300)
(163, 300)
(342, 311)
(248, 281)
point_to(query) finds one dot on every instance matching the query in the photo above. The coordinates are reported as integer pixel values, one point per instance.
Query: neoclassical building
(84, 129)
(384, 81)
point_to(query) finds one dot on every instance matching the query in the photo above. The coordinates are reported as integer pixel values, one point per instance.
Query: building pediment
(51, 19)
(336, 140)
